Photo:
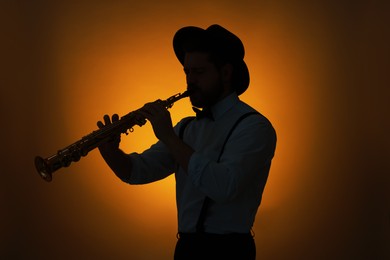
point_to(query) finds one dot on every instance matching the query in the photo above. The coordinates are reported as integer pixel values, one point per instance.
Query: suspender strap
(207, 200)
(232, 129)
(184, 125)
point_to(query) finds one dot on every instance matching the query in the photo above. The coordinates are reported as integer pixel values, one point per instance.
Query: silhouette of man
(221, 159)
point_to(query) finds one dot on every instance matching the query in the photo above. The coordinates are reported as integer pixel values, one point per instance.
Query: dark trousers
(213, 246)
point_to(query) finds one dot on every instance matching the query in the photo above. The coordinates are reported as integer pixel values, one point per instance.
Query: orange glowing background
(319, 72)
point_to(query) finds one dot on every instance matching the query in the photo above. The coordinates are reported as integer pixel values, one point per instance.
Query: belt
(183, 235)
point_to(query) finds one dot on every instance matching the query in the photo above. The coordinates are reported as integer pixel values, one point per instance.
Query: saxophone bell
(42, 168)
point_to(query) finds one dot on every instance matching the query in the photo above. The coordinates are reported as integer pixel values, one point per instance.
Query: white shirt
(235, 184)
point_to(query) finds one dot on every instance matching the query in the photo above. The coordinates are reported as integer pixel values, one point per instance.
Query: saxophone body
(73, 153)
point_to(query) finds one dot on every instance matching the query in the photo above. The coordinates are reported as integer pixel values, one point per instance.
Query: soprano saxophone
(74, 152)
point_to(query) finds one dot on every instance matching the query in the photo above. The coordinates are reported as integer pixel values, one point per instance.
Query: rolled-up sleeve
(153, 164)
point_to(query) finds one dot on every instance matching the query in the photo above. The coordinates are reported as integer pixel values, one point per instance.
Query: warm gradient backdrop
(319, 72)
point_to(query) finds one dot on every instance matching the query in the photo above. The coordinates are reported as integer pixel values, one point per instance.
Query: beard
(202, 98)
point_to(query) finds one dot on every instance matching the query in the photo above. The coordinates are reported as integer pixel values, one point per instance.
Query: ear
(227, 72)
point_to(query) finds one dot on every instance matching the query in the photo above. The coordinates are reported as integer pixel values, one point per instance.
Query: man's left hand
(160, 118)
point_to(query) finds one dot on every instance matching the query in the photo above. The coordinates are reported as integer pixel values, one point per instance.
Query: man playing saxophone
(221, 158)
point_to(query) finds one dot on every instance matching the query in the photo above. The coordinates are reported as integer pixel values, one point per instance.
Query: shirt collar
(221, 107)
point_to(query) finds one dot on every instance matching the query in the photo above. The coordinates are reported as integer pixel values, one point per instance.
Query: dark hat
(218, 41)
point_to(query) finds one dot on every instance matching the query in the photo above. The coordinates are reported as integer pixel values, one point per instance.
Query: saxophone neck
(170, 101)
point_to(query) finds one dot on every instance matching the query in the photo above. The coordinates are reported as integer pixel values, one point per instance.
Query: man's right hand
(116, 159)
(114, 142)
